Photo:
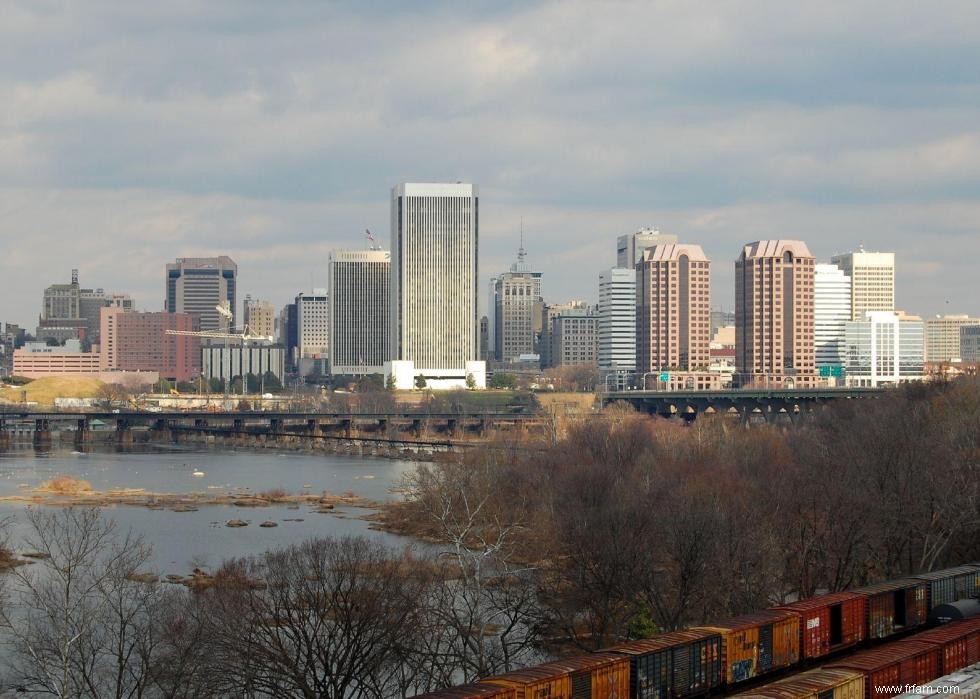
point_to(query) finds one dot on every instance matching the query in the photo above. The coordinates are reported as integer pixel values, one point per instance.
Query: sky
(133, 133)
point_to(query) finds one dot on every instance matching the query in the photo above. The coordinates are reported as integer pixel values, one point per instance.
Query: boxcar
(815, 684)
(889, 668)
(952, 584)
(829, 622)
(674, 665)
(595, 676)
(479, 690)
(958, 641)
(755, 644)
(894, 606)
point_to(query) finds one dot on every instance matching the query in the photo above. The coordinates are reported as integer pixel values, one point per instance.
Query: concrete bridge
(748, 405)
(404, 427)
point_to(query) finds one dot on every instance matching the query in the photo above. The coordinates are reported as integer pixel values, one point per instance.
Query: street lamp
(606, 381)
(649, 373)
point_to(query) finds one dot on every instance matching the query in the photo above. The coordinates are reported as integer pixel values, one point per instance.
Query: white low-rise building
(228, 361)
(407, 377)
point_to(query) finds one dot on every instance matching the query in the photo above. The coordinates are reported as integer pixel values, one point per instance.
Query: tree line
(628, 525)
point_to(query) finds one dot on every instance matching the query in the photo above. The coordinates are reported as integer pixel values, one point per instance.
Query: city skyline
(839, 128)
(581, 288)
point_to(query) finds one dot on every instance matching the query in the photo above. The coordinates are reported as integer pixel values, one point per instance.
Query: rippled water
(183, 540)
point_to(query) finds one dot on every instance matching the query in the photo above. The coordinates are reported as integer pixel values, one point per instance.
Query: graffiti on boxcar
(742, 670)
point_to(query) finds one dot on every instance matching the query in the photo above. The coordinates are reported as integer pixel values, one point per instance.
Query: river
(184, 540)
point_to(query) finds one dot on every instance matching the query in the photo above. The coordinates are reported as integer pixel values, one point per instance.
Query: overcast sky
(132, 133)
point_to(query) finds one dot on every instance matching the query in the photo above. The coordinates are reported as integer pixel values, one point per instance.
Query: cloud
(134, 134)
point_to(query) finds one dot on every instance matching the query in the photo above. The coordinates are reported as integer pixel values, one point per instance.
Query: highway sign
(835, 370)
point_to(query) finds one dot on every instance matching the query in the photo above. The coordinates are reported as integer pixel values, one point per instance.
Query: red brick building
(134, 341)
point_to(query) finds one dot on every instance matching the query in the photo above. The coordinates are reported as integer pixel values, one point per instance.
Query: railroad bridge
(749, 404)
(405, 427)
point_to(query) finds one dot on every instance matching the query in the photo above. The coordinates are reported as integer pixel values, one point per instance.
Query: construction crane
(245, 334)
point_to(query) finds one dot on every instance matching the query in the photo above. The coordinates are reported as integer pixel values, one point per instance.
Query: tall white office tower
(617, 322)
(831, 312)
(434, 321)
(359, 318)
(872, 281)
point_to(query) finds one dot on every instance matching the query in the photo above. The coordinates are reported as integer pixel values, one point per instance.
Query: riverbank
(84, 496)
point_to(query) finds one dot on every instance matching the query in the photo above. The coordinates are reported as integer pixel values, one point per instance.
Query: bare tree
(186, 664)
(484, 608)
(82, 627)
(109, 395)
(325, 618)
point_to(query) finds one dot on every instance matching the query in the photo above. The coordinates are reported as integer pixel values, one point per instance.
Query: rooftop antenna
(521, 253)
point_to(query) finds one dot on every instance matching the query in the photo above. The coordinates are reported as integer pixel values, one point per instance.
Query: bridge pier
(4, 435)
(124, 433)
(42, 432)
(160, 431)
(83, 435)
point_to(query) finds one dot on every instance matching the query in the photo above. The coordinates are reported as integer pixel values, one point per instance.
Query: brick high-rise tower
(673, 314)
(774, 321)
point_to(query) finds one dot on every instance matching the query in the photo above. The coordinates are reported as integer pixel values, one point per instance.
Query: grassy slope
(44, 391)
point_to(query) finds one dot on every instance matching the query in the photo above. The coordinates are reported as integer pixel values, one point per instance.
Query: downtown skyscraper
(673, 299)
(359, 316)
(872, 280)
(516, 310)
(196, 285)
(630, 247)
(434, 241)
(774, 315)
(616, 322)
(831, 313)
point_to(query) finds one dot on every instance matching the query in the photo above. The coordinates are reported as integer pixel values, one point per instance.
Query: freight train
(719, 658)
